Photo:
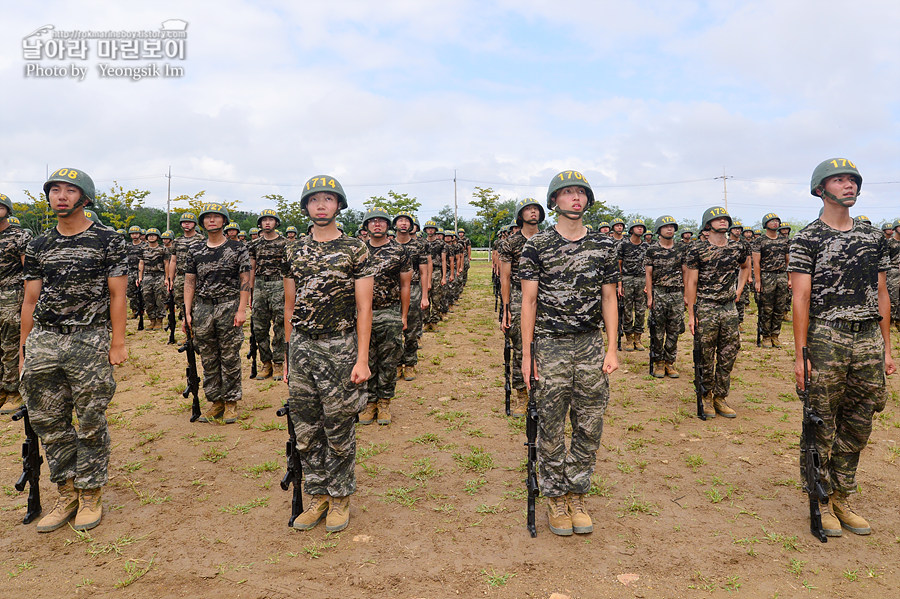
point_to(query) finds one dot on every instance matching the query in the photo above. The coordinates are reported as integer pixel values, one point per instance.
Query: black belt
(269, 277)
(216, 301)
(66, 329)
(317, 336)
(851, 326)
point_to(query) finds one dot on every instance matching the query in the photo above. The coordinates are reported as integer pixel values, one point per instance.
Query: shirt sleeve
(802, 256)
(529, 267)
(692, 257)
(116, 257)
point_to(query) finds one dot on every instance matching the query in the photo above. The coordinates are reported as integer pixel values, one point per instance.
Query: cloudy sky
(653, 101)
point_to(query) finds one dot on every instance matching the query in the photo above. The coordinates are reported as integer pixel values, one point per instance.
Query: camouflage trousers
(847, 387)
(323, 404)
(154, 289)
(268, 310)
(178, 292)
(744, 302)
(720, 342)
(668, 315)
(634, 305)
(514, 334)
(571, 382)
(772, 293)
(893, 285)
(10, 321)
(385, 351)
(413, 330)
(435, 299)
(68, 370)
(132, 293)
(219, 343)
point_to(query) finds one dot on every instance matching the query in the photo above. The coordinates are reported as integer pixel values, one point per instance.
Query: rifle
(251, 355)
(811, 458)
(140, 303)
(496, 283)
(531, 426)
(170, 303)
(31, 467)
(651, 324)
(758, 327)
(698, 371)
(621, 309)
(507, 387)
(193, 379)
(294, 474)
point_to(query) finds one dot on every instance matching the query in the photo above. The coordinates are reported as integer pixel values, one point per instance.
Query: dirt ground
(681, 508)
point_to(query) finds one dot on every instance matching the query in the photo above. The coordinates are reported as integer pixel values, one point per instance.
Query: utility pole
(169, 199)
(455, 207)
(724, 179)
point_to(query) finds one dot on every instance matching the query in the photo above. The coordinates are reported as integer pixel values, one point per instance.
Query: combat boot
(775, 342)
(13, 402)
(230, 412)
(670, 370)
(708, 409)
(638, 346)
(558, 514)
(90, 509)
(629, 342)
(65, 509)
(409, 373)
(581, 520)
(338, 514)
(313, 514)
(265, 372)
(658, 371)
(367, 416)
(384, 411)
(520, 405)
(722, 408)
(215, 411)
(277, 371)
(830, 524)
(766, 342)
(399, 372)
(840, 503)
(3, 396)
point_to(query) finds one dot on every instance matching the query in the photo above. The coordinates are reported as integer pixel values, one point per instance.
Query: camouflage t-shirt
(772, 253)
(718, 266)
(844, 266)
(632, 257)
(437, 248)
(510, 250)
(218, 269)
(73, 271)
(418, 255)
(666, 264)
(326, 273)
(269, 255)
(154, 259)
(894, 250)
(13, 242)
(135, 254)
(570, 277)
(182, 247)
(388, 261)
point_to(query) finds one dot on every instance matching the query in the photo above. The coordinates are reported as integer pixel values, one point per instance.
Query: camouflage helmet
(783, 227)
(603, 224)
(712, 214)
(322, 183)
(214, 209)
(188, 217)
(523, 204)
(895, 224)
(568, 179)
(887, 226)
(153, 231)
(616, 221)
(168, 235)
(736, 225)
(635, 222)
(376, 212)
(134, 229)
(231, 227)
(829, 168)
(863, 219)
(14, 221)
(254, 230)
(407, 214)
(430, 224)
(757, 232)
(664, 220)
(121, 231)
(589, 227)
(5, 201)
(340, 226)
(143, 231)
(291, 229)
(768, 217)
(242, 233)
(416, 224)
(76, 177)
(268, 213)
(93, 216)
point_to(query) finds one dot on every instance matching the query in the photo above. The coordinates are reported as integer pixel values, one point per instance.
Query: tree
(491, 212)
(37, 216)
(394, 203)
(117, 207)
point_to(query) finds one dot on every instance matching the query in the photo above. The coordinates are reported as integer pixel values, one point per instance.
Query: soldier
(167, 238)
(14, 221)
(152, 279)
(736, 233)
(770, 260)
(893, 274)
(437, 274)
(603, 228)
(291, 233)
(242, 236)
(328, 318)
(73, 331)
(842, 314)
(631, 254)
(449, 296)
(529, 215)
(216, 294)
(390, 309)
(665, 295)
(467, 255)
(254, 233)
(135, 253)
(711, 270)
(648, 238)
(888, 229)
(569, 278)
(686, 236)
(618, 229)
(13, 240)
(266, 267)
(181, 247)
(231, 231)
(407, 226)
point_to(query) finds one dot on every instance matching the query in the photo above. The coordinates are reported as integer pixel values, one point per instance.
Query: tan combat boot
(313, 514)
(90, 509)
(230, 412)
(338, 514)
(708, 409)
(12, 403)
(264, 372)
(64, 510)
(520, 404)
(775, 342)
(277, 371)
(399, 372)
(215, 411)
(367, 416)
(830, 524)
(840, 504)
(384, 411)
(766, 342)
(409, 373)
(629, 342)
(722, 408)
(658, 371)
(638, 346)
(670, 371)
(581, 521)
(3, 396)
(558, 514)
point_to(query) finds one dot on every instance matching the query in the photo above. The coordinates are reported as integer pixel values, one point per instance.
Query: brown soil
(682, 508)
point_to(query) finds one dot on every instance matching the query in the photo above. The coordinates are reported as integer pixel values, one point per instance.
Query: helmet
(430, 224)
(662, 221)
(93, 216)
(524, 204)
(254, 231)
(687, 232)
(589, 227)
(309, 228)
(783, 227)
(5, 201)
(416, 224)
(167, 235)
(736, 225)
(407, 214)
(188, 217)
(323, 183)
(568, 179)
(134, 229)
(230, 227)
(603, 224)
(757, 232)
(863, 219)
(635, 222)
(14, 221)
(375, 212)
(291, 229)
(242, 234)
(121, 231)
(268, 212)
(340, 226)
(896, 223)
(143, 231)
(214, 209)
(768, 217)
(616, 221)
(78, 178)
(153, 231)
(712, 214)
(829, 168)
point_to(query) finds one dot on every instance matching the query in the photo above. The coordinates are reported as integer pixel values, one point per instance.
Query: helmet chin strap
(570, 214)
(323, 222)
(70, 211)
(845, 202)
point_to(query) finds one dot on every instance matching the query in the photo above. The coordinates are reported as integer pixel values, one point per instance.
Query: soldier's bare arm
(363, 289)
(802, 285)
(505, 288)
(118, 292)
(425, 282)
(756, 271)
(611, 322)
(691, 275)
(140, 272)
(743, 277)
(405, 285)
(884, 309)
(528, 318)
(648, 286)
(32, 293)
(190, 283)
(290, 298)
(240, 317)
